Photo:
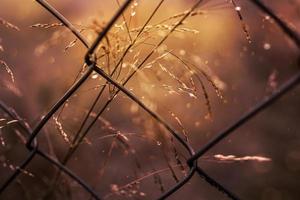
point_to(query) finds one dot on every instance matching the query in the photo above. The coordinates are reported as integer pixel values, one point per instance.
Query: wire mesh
(92, 67)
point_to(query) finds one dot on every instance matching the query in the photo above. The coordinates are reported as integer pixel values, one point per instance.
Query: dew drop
(142, 194)
(133, 13)
(267, 17)
(267, 46)
(94, 76)
(124, 65)
(238, 8)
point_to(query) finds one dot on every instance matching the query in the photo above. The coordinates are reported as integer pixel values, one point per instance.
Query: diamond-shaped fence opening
(32, 143)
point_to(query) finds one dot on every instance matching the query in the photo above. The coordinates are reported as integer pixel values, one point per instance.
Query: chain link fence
(92, 67)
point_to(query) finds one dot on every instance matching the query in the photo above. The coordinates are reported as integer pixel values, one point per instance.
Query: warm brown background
(245, 69)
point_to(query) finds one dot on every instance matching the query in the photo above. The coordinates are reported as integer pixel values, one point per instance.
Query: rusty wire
(32, 142)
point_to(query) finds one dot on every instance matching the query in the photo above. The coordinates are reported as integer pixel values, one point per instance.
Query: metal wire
(32, 142)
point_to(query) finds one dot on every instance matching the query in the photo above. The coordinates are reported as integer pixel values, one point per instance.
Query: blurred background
(244, 60)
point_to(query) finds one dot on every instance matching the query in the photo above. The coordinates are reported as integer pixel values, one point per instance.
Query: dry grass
(3, 64)
(128, 52)
(122, 55)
